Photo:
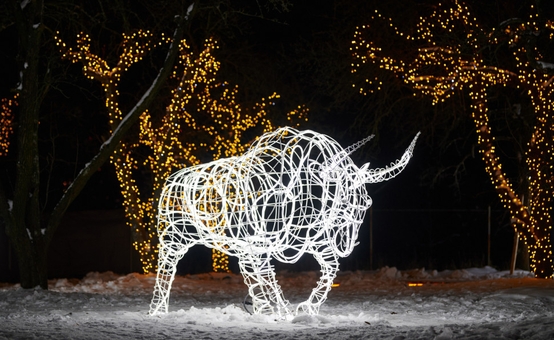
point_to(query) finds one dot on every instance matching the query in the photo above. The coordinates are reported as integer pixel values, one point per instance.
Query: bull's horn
(391, 171)
(337, 159)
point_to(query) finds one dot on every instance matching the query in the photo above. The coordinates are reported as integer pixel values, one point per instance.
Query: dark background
(433, 215)
(413, 227)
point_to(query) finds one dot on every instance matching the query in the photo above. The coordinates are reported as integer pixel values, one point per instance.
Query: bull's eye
(366, 200)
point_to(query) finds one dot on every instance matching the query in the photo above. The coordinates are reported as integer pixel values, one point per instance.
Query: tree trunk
(532, 222)
(31, 251)
(33, 262)
(24, 228)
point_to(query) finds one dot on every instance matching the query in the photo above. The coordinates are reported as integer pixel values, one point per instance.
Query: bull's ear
(360, 179)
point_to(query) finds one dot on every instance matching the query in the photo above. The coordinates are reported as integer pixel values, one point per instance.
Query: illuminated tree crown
(201, 108)
(448, 49)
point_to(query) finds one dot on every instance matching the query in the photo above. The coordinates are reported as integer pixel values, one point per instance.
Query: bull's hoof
(157, 310)
(308, 308)
(285, 313)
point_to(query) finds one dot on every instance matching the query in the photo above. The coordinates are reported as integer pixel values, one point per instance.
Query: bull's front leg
(329, 263)
(259, 276)
(168, 257)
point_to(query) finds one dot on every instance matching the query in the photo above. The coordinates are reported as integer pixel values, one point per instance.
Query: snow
(24, 3)
(20, 85)
(509, 21)
(189, 10)
(545, 65)
(474, 303)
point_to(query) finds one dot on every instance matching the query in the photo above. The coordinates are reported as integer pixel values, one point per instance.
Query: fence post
(514, 253)
(370, 238)
(489, 237)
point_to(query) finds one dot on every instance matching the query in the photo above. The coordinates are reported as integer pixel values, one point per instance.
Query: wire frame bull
(293, 192)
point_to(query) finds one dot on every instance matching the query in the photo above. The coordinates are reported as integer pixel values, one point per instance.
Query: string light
(196, 96)
(444, 66)
(291, 193)
(200, 94)
(6, 122)
(138, 211)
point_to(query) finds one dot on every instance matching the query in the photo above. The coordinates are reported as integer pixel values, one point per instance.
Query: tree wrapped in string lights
(448, 56)
(137, 210)
(6, 123)
(209, 110)
(291, 193)
(203, 117)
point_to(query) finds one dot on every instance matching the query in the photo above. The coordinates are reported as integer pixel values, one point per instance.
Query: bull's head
(350, 187)
(366, 175)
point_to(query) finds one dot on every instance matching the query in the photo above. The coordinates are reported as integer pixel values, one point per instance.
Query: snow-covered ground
(477, 303)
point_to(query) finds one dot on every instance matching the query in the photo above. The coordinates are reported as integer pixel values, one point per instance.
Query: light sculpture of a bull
(293, 192)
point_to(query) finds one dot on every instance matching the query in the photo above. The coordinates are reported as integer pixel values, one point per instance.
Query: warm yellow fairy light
(196, 96)
(200, 94)
(139, 211)
(6, 122)
(443, 67)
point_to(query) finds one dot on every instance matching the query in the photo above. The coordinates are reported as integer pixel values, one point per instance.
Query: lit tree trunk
(141, 220)
(140, 209)
(540, 160)
(533, 223)
(6, 123)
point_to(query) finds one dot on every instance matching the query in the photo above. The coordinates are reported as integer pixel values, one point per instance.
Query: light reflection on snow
(452, 304)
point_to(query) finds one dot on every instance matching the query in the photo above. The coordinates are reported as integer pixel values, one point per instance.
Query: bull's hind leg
(168, 257)
(329, 263)
(259, 276)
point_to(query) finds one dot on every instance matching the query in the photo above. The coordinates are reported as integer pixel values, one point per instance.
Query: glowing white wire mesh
(293, 192)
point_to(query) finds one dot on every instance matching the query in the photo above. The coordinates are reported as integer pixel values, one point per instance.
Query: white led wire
(293, 192)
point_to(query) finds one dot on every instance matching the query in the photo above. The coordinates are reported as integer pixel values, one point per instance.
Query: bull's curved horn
(391, 171)
(337, 159)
